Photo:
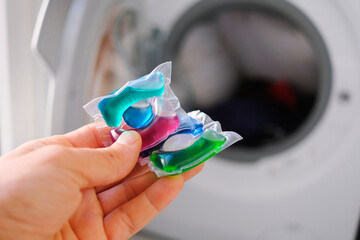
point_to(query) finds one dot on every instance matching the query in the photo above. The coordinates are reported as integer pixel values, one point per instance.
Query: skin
(69, 187)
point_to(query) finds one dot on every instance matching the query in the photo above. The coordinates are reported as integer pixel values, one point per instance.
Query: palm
(87, 221)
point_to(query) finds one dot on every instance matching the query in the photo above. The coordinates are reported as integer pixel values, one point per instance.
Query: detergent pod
(147, 105)
(165, 122)
(184, 150)
(113, 106)
(193, 127)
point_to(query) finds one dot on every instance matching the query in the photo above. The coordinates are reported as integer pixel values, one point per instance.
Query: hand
(68, 187)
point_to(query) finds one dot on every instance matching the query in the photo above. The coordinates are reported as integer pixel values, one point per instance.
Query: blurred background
(283, 74)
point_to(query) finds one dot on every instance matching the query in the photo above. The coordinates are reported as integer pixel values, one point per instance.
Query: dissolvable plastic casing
(184, 150)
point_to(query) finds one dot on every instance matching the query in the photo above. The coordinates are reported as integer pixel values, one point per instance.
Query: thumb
(95, 167)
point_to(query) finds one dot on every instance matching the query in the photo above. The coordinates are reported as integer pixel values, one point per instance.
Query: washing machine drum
(258, 67)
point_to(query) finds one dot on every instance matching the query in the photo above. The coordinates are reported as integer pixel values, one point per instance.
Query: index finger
(84, 137)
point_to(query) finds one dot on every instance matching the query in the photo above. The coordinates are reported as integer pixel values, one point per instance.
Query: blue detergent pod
(114, 105)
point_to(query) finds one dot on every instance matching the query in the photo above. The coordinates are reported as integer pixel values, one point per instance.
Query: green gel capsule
(176, 162)
(113, 107)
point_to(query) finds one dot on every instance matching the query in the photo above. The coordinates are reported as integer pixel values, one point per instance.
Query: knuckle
(128, 222)
(54, 152)
(114, 161)
(113, 155)
(152, 204)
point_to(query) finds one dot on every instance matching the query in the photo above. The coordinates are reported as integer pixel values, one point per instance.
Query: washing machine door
(90, 48)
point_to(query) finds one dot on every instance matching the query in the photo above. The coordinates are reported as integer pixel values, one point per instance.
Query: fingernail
(128, 138)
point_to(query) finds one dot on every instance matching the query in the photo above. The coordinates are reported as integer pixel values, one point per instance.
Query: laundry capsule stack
(173, 141)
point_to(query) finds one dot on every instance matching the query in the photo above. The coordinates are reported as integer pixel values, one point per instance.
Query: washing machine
(284, 74)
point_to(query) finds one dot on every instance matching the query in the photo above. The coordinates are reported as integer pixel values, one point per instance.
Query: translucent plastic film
(183, 151)
(172, 141)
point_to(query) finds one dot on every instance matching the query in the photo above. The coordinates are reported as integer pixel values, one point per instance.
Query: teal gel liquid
(209, 144)
(113, 107)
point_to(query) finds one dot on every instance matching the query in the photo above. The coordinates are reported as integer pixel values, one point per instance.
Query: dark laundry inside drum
(264, 111)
